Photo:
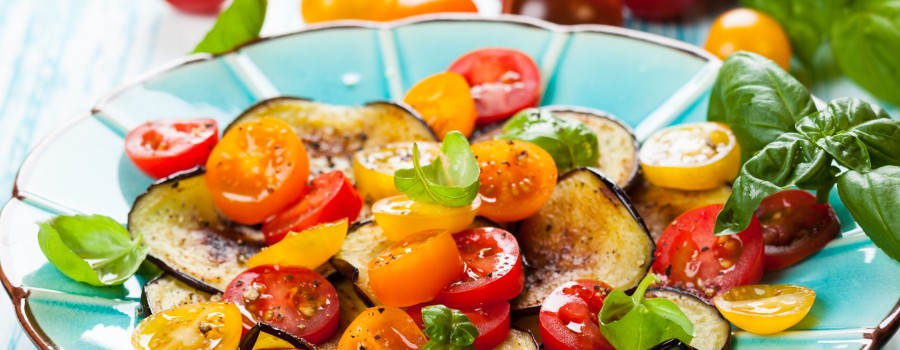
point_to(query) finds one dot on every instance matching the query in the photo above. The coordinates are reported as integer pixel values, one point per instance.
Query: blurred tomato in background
(658, 10)
(207, 7)
(315, 11)
(569, 11)
(749, 30)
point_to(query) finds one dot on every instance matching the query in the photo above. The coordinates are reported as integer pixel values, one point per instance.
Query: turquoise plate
(648, 81)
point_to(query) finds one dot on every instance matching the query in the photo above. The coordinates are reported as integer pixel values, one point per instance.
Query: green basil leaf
(638, 323)
(464, 332)
(571, 143)
(882, 140)
(451, 180)
(238, 24)
(847, 150)
(682, 328)
(806, 22)
(91, 249)
(447, 328)
(873, 200)
(839, 116)
(865, 41)
(758, 100)
(789, 161)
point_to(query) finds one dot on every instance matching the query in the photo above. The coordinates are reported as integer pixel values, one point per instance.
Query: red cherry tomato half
(492, 322)
(503, 82)
(163, 147)
(493, 271)
(197, 6)
(331, 197)
(294, 299)
(568, 318)
(690, 256)
(795, 227)
(658, 10)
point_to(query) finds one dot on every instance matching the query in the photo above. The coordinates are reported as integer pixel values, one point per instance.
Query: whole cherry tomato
(749, 30)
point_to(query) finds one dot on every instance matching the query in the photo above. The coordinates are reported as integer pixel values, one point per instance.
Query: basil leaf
(865, 41)
(238, 24)
(638, 323)
(806, 22)
(882, 140)
(873, 200)
(451, 180)
(571, 143)
(840, 115)
(789, 161)
(447, 328)
(758, 100)
(91, 249)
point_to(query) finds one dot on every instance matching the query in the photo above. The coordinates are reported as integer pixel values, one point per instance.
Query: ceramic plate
(646, 80)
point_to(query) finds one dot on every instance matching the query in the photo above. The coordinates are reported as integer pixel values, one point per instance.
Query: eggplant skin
(588, 229)
(364, 242)
(659, 206)
(249, 339)
(712, 330)
(518, 339)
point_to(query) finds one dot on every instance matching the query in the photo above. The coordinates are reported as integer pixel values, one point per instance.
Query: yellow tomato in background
(378, 10)
(374, 167)
(749, 30)
(692, 157)
(445, 102)
(400, 216)
(764, 309)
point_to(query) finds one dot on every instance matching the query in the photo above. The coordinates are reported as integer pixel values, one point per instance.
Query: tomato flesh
(445, 102)
(690, 256)
(382, 328)
(795, 227)
(658, 10)
(764, 309)
(517, 178)
(315, 11)
(207, 325)
(197, 6)
(492, 322)
(415, 269)
(569, 317)
(163, 147)
(569, 11)
(294, 299)
(493, 269)
(503, 82)
(331, 197)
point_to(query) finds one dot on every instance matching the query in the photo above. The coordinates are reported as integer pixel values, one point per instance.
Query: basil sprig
(238, 24)
(634, 322)
(850, 143)
(94, 249)
(571, 143)
(451, 180)
(447, 328)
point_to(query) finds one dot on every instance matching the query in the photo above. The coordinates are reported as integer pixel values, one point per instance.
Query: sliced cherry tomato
(745, 29)
(658, 10)
(293, 299)
(492, 322)
(493, 271)
(258, 169)
(503, 82)
(700, 156)
(416, 269)
(163, 147)
(445, 102)
(382, 328)
(400, 216)
(331, 198)
(517, 178)
(207, 325)
(373, 168)
(691, 257)
(763, 309)
(569, 11)
(315, 11)
(569, 317)
(197, 6)
(318, 244)
(795, 227)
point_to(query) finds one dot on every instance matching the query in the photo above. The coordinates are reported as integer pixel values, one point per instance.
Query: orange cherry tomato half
(491, 321)
(744, 29)
(258, 169)
(569, 317)
(416, 269)
(382, 328)
(795, 227)
(163, 147)
(493, 269)
(445, 102)
(503, 81)
(315, 11)
(517, 178)
(331, 198)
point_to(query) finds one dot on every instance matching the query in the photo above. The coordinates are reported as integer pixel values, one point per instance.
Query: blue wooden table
(57, 57)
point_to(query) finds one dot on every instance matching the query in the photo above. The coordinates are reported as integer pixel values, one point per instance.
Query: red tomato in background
(294, 299)
(492, 322)
(197, 6)
(691, 257)
(503, 81)
(574, 306)
(795, 227)
(163, 147)
(315, 11)
(569, 11)
(658, 10)
(493, 269)
(331, 197)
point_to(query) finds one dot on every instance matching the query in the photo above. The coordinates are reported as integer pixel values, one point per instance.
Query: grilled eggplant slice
(249, 341)
(166, 292)
(617, 145)
(364, 242)
(712, 330)
(658, 206)
(518, 339)
(186, 236)
(587, 229)
(332, 134)
(351, 306)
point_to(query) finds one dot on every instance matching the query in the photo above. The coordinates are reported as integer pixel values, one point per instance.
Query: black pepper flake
(668, 270)
(380, 310)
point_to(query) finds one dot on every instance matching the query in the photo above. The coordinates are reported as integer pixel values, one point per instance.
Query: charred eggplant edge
(249, 339)
(667, 289)
(350, 272)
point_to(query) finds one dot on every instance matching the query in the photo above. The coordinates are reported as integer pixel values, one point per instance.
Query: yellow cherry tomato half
(765, 309)
(318, 244)
(373, 168)
(749, 30)
(400, 216)
(208, 325)
(416, 269)
(691, 157)
(445, 102)
(382, 328)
